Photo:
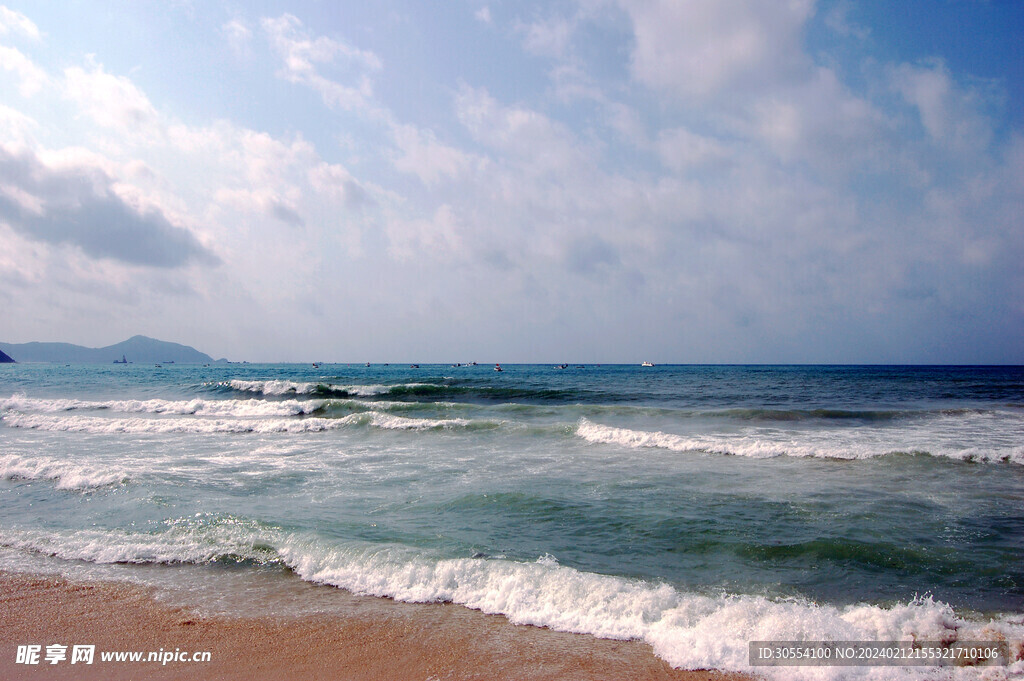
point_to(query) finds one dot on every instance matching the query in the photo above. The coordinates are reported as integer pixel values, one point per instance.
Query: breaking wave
(196, 407)
(67, 475)
(279, 387)
(687, 629)
(816, 445)
(408, 391)
(139, 425)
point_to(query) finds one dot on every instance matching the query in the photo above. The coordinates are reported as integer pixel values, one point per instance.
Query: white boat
(647, 364)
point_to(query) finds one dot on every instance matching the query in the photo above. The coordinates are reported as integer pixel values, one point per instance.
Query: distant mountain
(5, 359)
(138, 349)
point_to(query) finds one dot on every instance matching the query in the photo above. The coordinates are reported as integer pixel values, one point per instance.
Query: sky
(684, 181)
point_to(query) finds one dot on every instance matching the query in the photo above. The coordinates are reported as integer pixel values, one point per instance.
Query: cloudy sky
(588, 180)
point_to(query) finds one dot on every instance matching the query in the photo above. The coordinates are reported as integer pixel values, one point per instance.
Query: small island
(141, 349)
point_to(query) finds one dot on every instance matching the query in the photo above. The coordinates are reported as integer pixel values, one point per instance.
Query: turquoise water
(686, 506)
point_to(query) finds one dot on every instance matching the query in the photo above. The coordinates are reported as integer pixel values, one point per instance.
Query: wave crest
(689, 630)
(195, 407)
(67, 475)
(828, 446)
(141, 425)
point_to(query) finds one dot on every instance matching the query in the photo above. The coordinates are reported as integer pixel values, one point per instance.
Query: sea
(696, 508)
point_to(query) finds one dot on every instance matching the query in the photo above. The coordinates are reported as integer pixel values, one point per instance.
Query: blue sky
(588, 180)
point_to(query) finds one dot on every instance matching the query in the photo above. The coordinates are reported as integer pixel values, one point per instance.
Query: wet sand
(374, 639)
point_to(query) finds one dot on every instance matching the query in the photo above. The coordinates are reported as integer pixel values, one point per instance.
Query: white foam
(278, 387)
(67, 475)
(142, 425)
(198, 407)
(392, 422)
(94, 424)
(199, 539)
(762, 443)
(688, 630)
(272, 387)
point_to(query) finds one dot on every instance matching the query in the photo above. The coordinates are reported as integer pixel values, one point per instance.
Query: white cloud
(427, 158)
(951, 115)
(736, 70)
(333, 180)
(238, 35)
(571, 83)
(301, 55)
(172, 197)
(693, 178)
(15, 126)
(682, 150)
(17, 23)
(268, 160)
(80, 205)
(525, 135)
(437, 237)
(838, 20)
(32, 78)
(698, 48)
(265, 202)
(548, 37)
(112, 101)
(817, 120)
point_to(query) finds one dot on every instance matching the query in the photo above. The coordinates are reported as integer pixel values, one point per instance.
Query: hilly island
(135, 349)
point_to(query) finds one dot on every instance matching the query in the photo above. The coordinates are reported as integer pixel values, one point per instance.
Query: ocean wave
(392, 422)
(200, 539)
(67, 475)
(823, 414)
(765, 446)
(402, 391)
(345, 401)
(139, 425)
(688, 630)
(196, 407)
(280, 387)
(95, 424)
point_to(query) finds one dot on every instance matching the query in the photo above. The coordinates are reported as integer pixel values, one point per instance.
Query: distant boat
(123, 360)
(497, 367)
(647, 364)
(414, 366)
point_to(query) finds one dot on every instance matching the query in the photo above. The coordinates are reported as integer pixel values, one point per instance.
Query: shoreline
(373, 640)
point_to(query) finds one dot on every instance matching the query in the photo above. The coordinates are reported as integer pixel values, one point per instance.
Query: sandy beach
(379, 639)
